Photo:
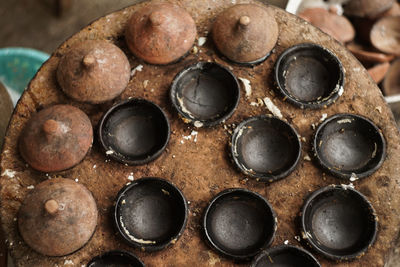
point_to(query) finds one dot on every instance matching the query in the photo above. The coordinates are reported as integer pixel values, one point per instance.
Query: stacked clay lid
(58, 217)
(160, 33)
(367, 8)
(56, 138)
(245, 33)
(93, 71)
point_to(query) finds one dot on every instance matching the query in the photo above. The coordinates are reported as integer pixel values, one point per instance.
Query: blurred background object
(6, 108)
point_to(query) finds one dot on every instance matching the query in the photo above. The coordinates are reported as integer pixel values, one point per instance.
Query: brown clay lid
(58, 217)
(245, 33)
(56, 138)
(367, 8)
(391, 83)
(385, 35)
(368, 55)
(379, 71)
(93, 71)
(339, 27)
(160, 33)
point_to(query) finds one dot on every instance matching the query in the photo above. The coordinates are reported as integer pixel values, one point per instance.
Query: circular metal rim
(334, 95)
(338, 173)
(283, 248)
(157, 246)
(314, 244)
(208, 237)
(124, 160)
(264, 177)
(207, 123)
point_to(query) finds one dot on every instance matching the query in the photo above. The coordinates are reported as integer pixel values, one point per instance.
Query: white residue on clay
(130, 177)
(202, 41)
(138, 240)
(353, 177)
(341, 91)
(347, 186)
(247, 86)
(138, 68)
(344, 121)
(68, 262)
(30, 187)
(324, 116)
(145, 83)
(307, 158)
(198, 124)
(9, 173)
(193, 135)
(272, 108)
(109, 152)
(212, 259)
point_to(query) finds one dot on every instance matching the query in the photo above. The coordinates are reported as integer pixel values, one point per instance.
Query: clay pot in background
(368, 55)
(385, 35)
(6, 108)
(379, 71)
(339, 27)
(391, 83)
(367, 8)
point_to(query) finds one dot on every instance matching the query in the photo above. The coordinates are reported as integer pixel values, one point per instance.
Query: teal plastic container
(18, 66)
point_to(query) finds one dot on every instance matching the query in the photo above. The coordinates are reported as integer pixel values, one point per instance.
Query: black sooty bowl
(285, 256)
(135, 131)
(116, 258)
(349, 146)
(339, 222)
(239, 223)
(150, 213)
(266, 148)
(205, 94)
(309, 76)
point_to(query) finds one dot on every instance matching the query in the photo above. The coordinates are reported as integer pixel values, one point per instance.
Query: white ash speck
(145, 83)
(254, 104)
(272, 108)
(138, 68)
(353, 177)
(30, 187)
(307, 158)
(94, 166)
(9, 173)
(76, 180)
(324, 116)
(130, 177)
(198, 124)
(297, 238)
(286, 242)
(68, 262)
(202, 41)
(247, 86)
(182, 142)
(109, 152)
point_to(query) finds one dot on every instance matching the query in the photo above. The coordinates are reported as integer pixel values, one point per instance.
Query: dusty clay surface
(201, 169)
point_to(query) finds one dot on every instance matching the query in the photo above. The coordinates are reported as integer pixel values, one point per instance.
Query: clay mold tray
(205, 94)
(309, 76)
(116, 258)
(339, 222)
(135, 131)
(285, 256)
(266, 148)
(349, 146)
(239, 223)
(150, 213)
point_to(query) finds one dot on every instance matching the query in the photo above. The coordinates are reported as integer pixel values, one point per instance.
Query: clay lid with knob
(245, 33)
(160, 33)
(58, 217)
(93, 71)
(56, 138)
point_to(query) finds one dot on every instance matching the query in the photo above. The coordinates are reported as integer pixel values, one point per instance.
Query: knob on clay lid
(160, 33)
(58, 217)
(56, 138)
(93, 71)
(245, 33)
